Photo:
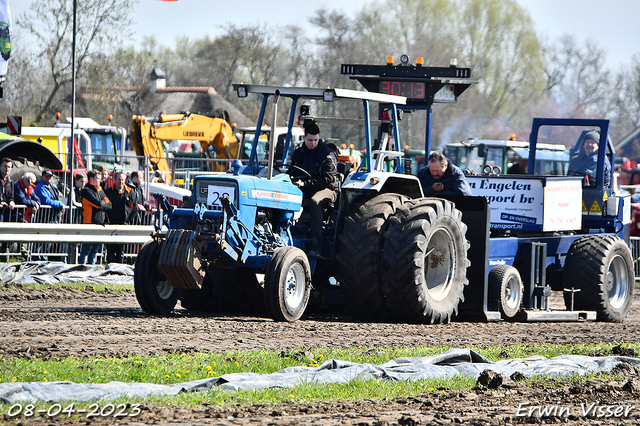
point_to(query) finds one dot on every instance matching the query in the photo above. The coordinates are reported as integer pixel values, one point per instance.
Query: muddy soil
(60, 323)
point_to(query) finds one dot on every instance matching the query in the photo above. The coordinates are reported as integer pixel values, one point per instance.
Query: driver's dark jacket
(588, 164)
(320, 163)
(453, 181)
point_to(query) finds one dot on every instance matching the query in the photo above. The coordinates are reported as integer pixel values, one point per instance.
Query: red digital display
(410, 89)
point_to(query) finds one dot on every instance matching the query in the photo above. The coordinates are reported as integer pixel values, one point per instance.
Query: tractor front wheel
(153, 291)
(287, 284)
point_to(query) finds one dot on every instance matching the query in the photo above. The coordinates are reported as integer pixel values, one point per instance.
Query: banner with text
(530, 204)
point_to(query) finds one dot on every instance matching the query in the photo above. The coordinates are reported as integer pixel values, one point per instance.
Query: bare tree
(499, 42)
(624, 103)
(100, 25)
(589, 82)
(576, 76)
(413, 27)
(295, 55)
(557, 62)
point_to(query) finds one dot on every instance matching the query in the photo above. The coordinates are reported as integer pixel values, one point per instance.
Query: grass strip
(175, 368)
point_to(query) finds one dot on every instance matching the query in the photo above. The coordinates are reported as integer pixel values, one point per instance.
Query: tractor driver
(314, 171)
(585, 163)
(440, 177)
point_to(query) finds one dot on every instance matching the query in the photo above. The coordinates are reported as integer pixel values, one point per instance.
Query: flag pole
(71, 148)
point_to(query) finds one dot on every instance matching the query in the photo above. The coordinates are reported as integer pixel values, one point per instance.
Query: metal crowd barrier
(61, 241)
(50, 236)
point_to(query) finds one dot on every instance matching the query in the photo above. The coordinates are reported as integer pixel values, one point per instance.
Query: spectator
(105, 179)
(6, 199)
(49, 195)
(314, 171)
(79, 181)
(140, 205)
(634, 197)
(121, 198)
(6, 190)
(23, 192)
(439, 177)
(95, 204)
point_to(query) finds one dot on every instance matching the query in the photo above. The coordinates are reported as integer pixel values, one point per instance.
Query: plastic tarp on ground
(62, 273)
(453, 362)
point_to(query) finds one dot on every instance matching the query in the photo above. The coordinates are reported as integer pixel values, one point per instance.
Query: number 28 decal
(215, 194)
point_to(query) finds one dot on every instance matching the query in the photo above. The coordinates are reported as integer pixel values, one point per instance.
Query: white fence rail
(74, 234)
(62, 239)
(40, 239)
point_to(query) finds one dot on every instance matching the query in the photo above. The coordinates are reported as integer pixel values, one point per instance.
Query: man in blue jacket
(49, 195)
(440, 177)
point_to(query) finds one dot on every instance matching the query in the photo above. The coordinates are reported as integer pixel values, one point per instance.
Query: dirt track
(60, 323)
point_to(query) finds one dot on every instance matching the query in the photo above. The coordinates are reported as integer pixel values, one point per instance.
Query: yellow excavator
(214, 134)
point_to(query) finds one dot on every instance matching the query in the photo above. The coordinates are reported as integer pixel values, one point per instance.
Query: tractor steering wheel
(300, 168)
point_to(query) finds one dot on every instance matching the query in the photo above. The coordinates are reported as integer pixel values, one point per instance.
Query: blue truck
(250, 222)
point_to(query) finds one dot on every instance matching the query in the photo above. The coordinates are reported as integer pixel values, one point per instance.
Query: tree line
(520, 74)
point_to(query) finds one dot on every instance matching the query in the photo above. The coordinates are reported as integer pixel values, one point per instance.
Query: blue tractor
(250, 223)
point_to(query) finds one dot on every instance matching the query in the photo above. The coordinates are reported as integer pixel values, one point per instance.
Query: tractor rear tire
(425, 261)
(360, 257)
(237, 291)
(153, 291)
(22, 166)
(601, 267)
(287, 284)
(506, 288)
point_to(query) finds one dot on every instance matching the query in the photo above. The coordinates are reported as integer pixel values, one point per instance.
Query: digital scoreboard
(420, 85)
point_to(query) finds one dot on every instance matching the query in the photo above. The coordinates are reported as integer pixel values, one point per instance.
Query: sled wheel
(425, 261)
(153, 291)
(505, 286)
(360, 257)
(601, 267)
(287, 284)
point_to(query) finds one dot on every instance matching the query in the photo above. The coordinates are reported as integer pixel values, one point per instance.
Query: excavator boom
(214, 134)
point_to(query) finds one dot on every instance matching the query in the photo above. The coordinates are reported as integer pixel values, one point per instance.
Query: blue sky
(613, 24)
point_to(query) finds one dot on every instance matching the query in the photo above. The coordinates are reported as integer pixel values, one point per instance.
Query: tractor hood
(277, 193)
